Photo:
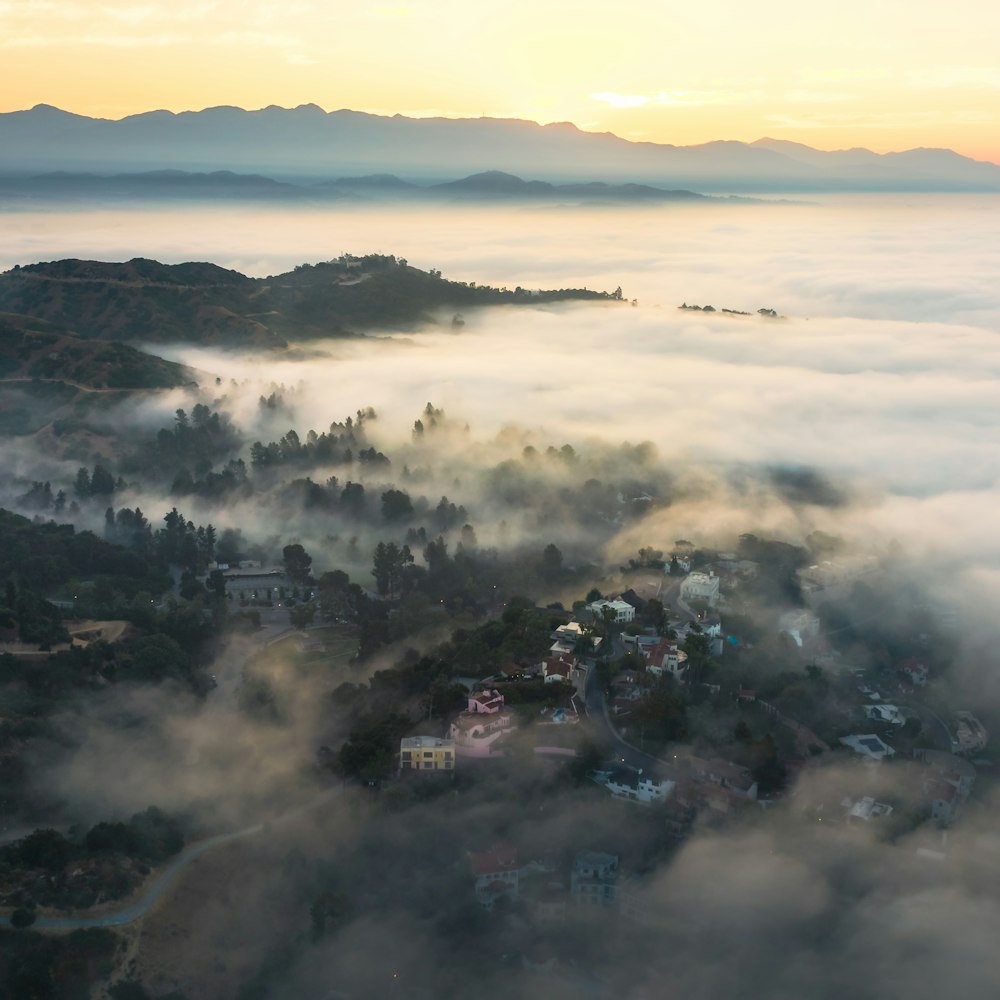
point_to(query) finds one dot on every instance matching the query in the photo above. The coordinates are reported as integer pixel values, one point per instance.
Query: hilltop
(143, 300)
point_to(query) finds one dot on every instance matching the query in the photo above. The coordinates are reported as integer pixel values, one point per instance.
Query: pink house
(486, 702)
(475, 733)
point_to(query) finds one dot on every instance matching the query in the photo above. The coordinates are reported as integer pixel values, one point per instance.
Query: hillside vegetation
(31, 348)
(144, 300)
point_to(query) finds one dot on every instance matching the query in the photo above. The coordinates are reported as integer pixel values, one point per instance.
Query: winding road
(274, 628)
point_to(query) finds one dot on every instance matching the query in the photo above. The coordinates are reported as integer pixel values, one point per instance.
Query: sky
(893, 75)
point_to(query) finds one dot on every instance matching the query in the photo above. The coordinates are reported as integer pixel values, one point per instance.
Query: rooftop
(426, 743)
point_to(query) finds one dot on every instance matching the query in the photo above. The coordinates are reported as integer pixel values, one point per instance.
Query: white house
(623, 611)
(865, 809)
(558, 669)
(885, 713)
(637, 786)
(666, 658)
(701, 587)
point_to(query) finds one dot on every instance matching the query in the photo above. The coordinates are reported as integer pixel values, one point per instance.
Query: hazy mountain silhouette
(307, 142)
(182, 185)
(143, 301)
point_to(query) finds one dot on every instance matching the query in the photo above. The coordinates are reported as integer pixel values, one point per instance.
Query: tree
(303, 615)
(22, 918)
(388, 562)
(102, 483)
(81, 486)
(396, 505)
(552, 562)
(297, 562)
(216, 583)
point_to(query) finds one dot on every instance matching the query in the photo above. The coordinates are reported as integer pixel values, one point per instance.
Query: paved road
(597, 712)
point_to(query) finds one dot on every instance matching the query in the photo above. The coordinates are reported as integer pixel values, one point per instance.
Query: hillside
(143, 300)
(32, 349)
(308, 142)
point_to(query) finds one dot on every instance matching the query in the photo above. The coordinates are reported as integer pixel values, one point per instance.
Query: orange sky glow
(887, 76)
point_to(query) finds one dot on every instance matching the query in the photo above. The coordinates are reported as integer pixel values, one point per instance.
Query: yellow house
(426, 753)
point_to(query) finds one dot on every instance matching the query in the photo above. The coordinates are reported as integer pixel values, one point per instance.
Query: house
(558, 668)
(475, 733)
(666, 658)
(701, 587)
(621, 611)
(496, 874)
(970, 734)
(915, 671)
(946, 783)
(717, 771)
(426, 753)
(711, 625)
(865, 810)
(800, 626)
(637, 786)
(593, 880)
(868, 745)
(486, 702)
(566, 638)
(956, 769)
(636, 903)
(944, 798)
(885, 713)
(683, 563)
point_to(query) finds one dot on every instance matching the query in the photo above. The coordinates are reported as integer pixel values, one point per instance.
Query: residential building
(915, 671)
(717, 771)
(970, 735)
(593, 880)
(868, 745)
(946, 783)
(496, 874)
(885, 713)
(486, 702)
(701, 587)
(638, 786)
(475, 733)
(666, 658)
(865, 809)
(426, 753)
(558, 668)
(622, 611)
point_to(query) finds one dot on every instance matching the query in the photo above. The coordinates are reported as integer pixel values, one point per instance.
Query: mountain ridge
(307, 141)
(143, 301)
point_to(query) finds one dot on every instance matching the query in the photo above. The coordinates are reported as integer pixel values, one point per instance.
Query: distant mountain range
(143, 301)
(493, 185)
(309, 143)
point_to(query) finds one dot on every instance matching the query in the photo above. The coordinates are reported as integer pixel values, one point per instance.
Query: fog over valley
(771, 452)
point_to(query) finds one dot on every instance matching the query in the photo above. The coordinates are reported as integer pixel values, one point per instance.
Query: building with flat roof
(426, 753)
(622, 611)
(868, 745)
(701, 587)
